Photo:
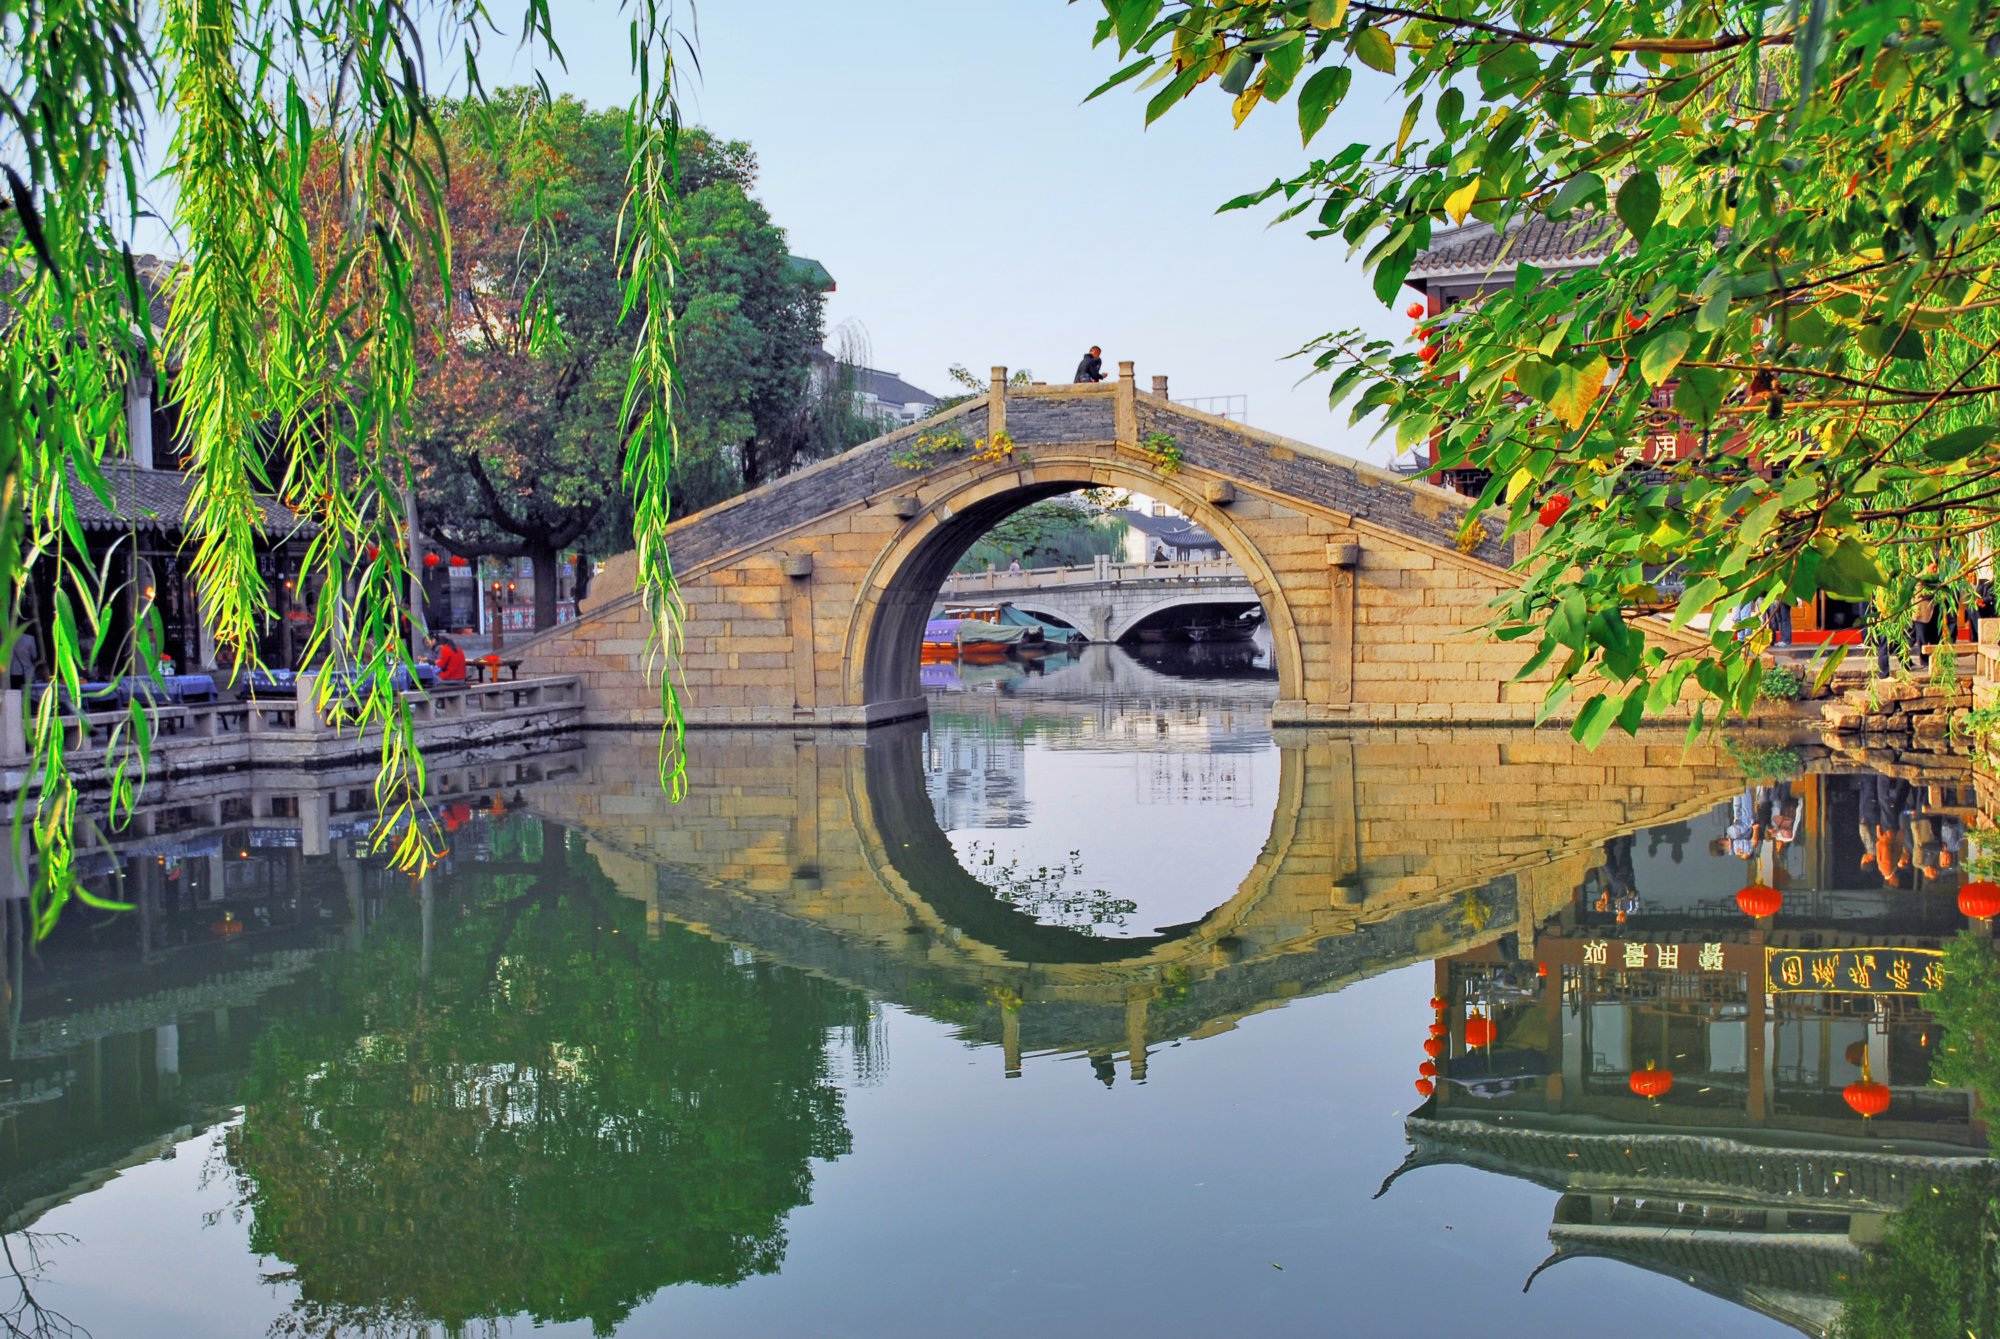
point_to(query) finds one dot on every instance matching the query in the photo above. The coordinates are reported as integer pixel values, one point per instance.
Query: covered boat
(969, 638)
(1008, 616)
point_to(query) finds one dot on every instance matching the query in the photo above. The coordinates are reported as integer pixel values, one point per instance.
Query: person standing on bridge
(1014, 567)
(1092, 366)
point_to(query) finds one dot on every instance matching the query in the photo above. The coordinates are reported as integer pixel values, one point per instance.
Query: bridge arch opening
(885, 638)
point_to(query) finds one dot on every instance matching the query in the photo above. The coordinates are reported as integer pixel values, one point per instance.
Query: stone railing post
(13, 724)
(306, 690)
(996, 403)
(1986, 662)
(1125, 412)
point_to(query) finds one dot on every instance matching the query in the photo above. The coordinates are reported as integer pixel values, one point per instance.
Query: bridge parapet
(804, 602)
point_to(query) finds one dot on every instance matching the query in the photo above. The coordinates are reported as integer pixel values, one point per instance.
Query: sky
(936, 156)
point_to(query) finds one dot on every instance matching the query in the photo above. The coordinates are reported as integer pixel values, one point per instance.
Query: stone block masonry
(803, 603)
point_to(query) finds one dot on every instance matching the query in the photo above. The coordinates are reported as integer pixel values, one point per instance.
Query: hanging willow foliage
(286, 341)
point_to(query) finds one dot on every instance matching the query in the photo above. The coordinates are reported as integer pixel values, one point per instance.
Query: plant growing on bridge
(1163, 450)
(927, 449)
(1790, 206)
(993, 450)
(292, 355)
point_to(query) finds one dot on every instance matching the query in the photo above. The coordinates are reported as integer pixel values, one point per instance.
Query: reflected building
(1690, 1079)
(976, 775)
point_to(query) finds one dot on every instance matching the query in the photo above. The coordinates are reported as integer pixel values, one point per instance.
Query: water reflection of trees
(1046, 892)
(518, 1102)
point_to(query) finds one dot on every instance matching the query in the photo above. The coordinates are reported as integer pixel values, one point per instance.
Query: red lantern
(1979, 901)
(1541, 969)
(1425, 1087)
(1428, 1070)
(1415, 311)
(1867, 1097)
(458, 560)
(431, 559)
(1438, 1004)
(1439, 1029)
(374, 551)
(1652, 1082)
(1433, 1047)
(450, 821)
(1552, 510)
(1760, 900)
(1479, 1031)
(1429, 353)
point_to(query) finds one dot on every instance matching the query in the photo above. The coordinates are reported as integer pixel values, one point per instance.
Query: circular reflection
(1084, 812)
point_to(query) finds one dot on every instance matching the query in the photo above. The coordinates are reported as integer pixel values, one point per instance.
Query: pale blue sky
(935, 155)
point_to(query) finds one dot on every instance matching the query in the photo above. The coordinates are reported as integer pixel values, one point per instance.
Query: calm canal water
(1090, 1006)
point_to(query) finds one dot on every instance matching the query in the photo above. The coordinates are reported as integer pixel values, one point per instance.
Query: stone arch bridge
(1108, 601)
(805, 600)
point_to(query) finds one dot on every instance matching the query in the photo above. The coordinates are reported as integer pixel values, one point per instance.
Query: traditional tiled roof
(1792, 1277)
(1693, 1164)
(1476, 248)
(157, 500)
(1176, 530)
(892, 389)
(809, 271)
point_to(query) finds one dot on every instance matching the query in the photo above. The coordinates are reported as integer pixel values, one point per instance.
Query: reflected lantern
(1479, 1031)
(1652, 1082)
(1867, 1097)
(1979, 900)
(1760, 900)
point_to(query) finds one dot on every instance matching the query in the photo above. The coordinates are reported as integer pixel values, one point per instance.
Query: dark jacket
(1090, 369)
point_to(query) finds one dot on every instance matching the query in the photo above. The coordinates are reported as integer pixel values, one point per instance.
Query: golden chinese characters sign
(1869, 971)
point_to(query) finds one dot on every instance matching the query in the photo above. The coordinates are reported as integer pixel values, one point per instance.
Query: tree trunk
(544, 560)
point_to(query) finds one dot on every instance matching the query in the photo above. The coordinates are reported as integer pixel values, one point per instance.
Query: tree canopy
(522, 367)
(1794, 201)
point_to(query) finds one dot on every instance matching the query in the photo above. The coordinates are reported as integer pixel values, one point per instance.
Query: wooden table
(488, 671)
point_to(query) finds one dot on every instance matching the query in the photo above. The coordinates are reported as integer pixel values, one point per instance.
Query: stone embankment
(1910, 721)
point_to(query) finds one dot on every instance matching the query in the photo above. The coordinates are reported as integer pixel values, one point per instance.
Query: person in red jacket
(450, 661)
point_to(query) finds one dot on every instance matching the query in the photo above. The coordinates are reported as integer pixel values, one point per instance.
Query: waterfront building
(138, 535)
(1693, 1081)
(1464, 264)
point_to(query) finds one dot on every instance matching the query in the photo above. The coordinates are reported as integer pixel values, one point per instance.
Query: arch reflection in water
(1383, 848)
